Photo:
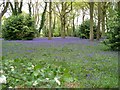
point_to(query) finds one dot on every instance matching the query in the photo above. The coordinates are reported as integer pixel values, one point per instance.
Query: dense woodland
(59, 44)
(55, 19)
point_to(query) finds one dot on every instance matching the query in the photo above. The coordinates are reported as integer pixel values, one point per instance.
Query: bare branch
(11, 6)
(5, 9)
(68, 6)
(70, 9)
(1, 4)
(55, 12)
(58, 9)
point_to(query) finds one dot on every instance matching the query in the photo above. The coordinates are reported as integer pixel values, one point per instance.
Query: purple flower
(88, 75)
(90, 55)
(29, 50)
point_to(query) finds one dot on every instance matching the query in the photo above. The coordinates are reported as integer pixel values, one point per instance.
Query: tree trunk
(67, 29)
(30, 9)
(54, 22)
(63, 20)
(50, 19)
(36, 12)
(20, 8)
(119, 7)
(91, 21)
(103, 19)
(62, 28)
(43, 18)
(64, 24)
(98, 26)
(77, 12)
(46, 27)
(73, 25)
(83, 17)
(16, 7)
(103, 25)
(119, 13)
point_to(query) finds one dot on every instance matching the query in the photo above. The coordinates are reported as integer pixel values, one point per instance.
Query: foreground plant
(33, 74)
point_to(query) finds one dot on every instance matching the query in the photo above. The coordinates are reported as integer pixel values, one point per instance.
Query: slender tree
(36, 16)
(73, 20)
(43, 17)
(62, 18)
(104, 7)
(73, 24)
(91, 20)
(118, 4)
(54, 21)
(83, 13)
(98, 26)
(50, 19)
(30, 7)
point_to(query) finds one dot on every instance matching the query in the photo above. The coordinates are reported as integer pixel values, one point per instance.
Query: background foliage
(20, 27)
(113, 35)
(84, 29)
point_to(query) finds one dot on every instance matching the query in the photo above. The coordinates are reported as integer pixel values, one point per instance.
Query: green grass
(75, 65)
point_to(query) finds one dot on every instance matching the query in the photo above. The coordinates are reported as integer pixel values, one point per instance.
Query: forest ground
(89, 64)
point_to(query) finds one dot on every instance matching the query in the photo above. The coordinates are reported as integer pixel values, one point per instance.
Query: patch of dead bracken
(72, 85)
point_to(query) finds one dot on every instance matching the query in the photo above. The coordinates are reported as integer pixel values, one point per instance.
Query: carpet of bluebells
(70, 63)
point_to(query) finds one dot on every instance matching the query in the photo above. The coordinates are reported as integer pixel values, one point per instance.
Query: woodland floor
(87, 64)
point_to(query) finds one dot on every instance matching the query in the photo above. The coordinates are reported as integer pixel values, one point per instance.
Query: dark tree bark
(118, 13)
(12, 8)
(83, 12)
(18, 7)
(43, 18)
(73, 25)
(30, 8)
(5, 5)
(4, 10)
